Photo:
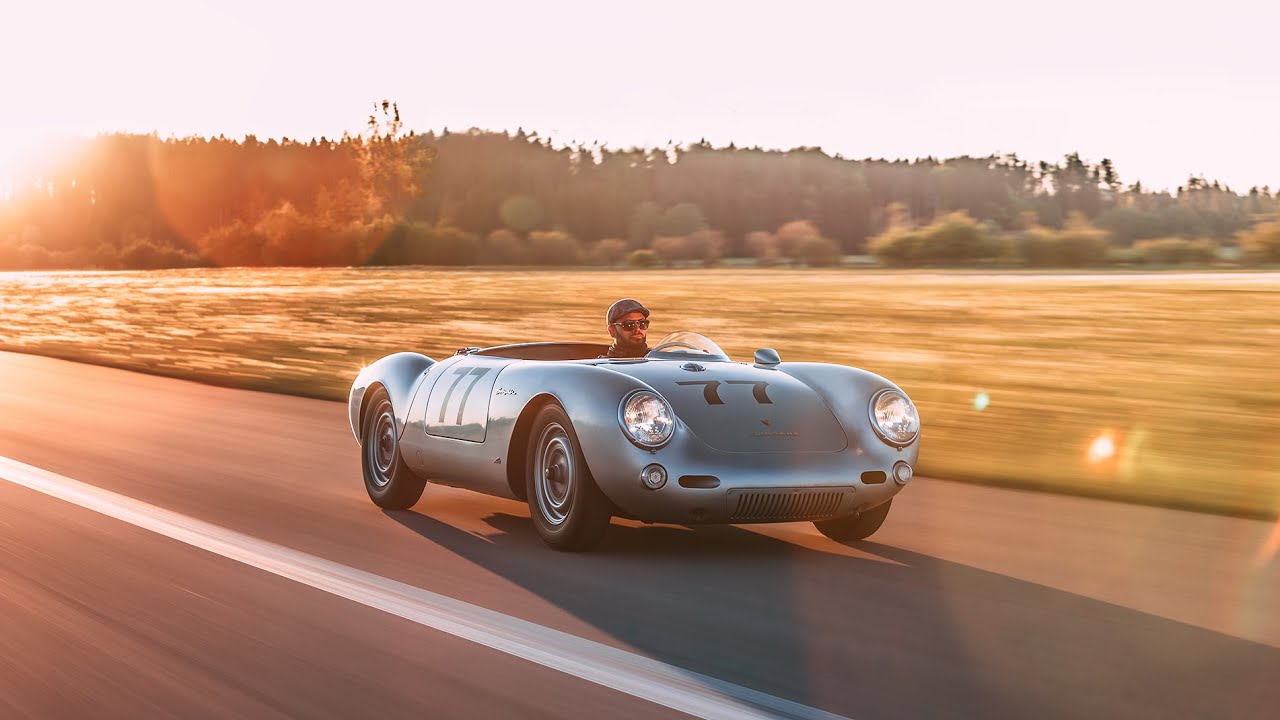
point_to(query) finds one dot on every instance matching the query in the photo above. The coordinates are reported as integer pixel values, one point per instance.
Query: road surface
(136, 513)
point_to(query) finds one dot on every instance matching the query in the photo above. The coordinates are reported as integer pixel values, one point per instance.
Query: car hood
(734, 407)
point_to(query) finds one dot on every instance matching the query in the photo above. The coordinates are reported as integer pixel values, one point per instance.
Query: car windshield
(687, 344)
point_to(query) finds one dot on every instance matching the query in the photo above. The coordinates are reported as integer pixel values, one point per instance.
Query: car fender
(401, 374)
(589, 394)
(848, 391)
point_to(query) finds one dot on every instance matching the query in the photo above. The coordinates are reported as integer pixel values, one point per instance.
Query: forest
(388, 197)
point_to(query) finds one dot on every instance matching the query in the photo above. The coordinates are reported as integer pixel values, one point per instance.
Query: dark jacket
(616, 352)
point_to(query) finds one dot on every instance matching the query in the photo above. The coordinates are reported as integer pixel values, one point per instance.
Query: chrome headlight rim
(875, 424)
(622, 419)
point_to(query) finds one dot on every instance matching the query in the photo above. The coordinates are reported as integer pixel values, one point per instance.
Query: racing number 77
(476, 373)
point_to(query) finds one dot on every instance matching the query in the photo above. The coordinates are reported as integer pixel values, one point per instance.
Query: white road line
(682, 690)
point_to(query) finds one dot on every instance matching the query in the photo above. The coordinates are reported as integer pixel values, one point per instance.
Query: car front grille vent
(783, 505)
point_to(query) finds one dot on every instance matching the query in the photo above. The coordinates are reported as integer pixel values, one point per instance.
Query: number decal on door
(462, 372)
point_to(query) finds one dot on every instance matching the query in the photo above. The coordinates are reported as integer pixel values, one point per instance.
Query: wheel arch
(518, 449)
(588, 394)
(369, 392)
(400, 375)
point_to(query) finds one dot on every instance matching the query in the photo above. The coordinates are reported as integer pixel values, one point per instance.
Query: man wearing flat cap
(628, 323)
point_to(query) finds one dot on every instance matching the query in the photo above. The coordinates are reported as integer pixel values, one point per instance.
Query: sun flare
(1102, 448)
(23, 160)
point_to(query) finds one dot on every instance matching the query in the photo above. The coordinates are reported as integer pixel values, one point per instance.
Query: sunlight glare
(1102, 448)
(27, 160)
(981, 401)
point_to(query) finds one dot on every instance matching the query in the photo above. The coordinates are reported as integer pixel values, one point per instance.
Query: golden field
(1158, 388)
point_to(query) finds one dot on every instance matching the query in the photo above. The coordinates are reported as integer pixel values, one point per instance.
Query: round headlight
(894, 417)
(646, 419)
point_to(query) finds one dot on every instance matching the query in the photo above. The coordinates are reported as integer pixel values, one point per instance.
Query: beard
(627, 343)
(624, 346)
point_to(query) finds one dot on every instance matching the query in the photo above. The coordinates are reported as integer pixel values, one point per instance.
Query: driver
(628, 323)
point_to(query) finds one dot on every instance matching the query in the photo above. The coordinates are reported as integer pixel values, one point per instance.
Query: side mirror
(767, 357)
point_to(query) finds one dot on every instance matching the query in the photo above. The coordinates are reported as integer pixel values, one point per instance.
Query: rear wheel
(389, 482)
(567, 507)
(855, 527)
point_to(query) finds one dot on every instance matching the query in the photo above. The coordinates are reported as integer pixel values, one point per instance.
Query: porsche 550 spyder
(683, 435)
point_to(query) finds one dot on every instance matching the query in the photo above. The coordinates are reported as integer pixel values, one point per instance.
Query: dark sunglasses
(632, 324)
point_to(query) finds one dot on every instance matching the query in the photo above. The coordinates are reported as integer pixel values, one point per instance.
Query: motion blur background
(894, 187)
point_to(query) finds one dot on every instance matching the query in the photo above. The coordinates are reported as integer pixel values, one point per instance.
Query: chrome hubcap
(383, 447)
(554, 474)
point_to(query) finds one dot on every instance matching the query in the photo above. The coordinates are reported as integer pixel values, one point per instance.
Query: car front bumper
(709, 486)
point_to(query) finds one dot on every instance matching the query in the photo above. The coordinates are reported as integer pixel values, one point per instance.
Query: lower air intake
(786, 505)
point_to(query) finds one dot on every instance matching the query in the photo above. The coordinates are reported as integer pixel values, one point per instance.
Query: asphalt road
(970, 602)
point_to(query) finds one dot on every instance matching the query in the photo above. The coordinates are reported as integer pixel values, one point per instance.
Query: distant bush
(291, 237)
(897, 247)
(642, 258)
(957, 239)
(681, 219)
(609, 251)
(285, 236)
(503, 247)
(26, 251)
(146, 255)
(1081, 245)
(27, 256)
(419, 243)
(1174, 251)
(1076, 245)
(449, 245)
(762, 246)
(1123, 256)
(801, 241)
(817, 251)
(704, 246)
(235, 244)
(1261, 243)
(791, 235)
(1038, 247)
(553, 247)
(954, 239)
(668, 248)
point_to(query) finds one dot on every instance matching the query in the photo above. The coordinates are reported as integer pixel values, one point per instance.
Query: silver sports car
(682, 435)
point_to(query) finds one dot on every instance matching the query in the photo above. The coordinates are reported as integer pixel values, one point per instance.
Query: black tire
(568, 509)
(855, 527)
(389, 482)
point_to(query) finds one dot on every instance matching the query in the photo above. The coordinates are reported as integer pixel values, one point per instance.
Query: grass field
(1158, 388)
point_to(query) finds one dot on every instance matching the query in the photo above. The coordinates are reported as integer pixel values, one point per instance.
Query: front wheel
(388, 481)
(567, 507)
(854, 527)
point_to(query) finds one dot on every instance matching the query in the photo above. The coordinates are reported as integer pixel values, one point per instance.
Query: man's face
(631, 329)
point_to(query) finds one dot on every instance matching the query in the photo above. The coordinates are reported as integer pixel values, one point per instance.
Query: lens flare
(1269, 548)
(981, 401)
(1102, 448)
(1129, 456)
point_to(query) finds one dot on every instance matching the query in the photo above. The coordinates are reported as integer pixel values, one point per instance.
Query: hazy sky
(1165, 89)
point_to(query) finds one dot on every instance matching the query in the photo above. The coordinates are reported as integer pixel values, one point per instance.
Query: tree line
(475, 197)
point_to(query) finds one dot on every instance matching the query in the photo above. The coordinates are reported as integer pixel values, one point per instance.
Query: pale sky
(1164, 89)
